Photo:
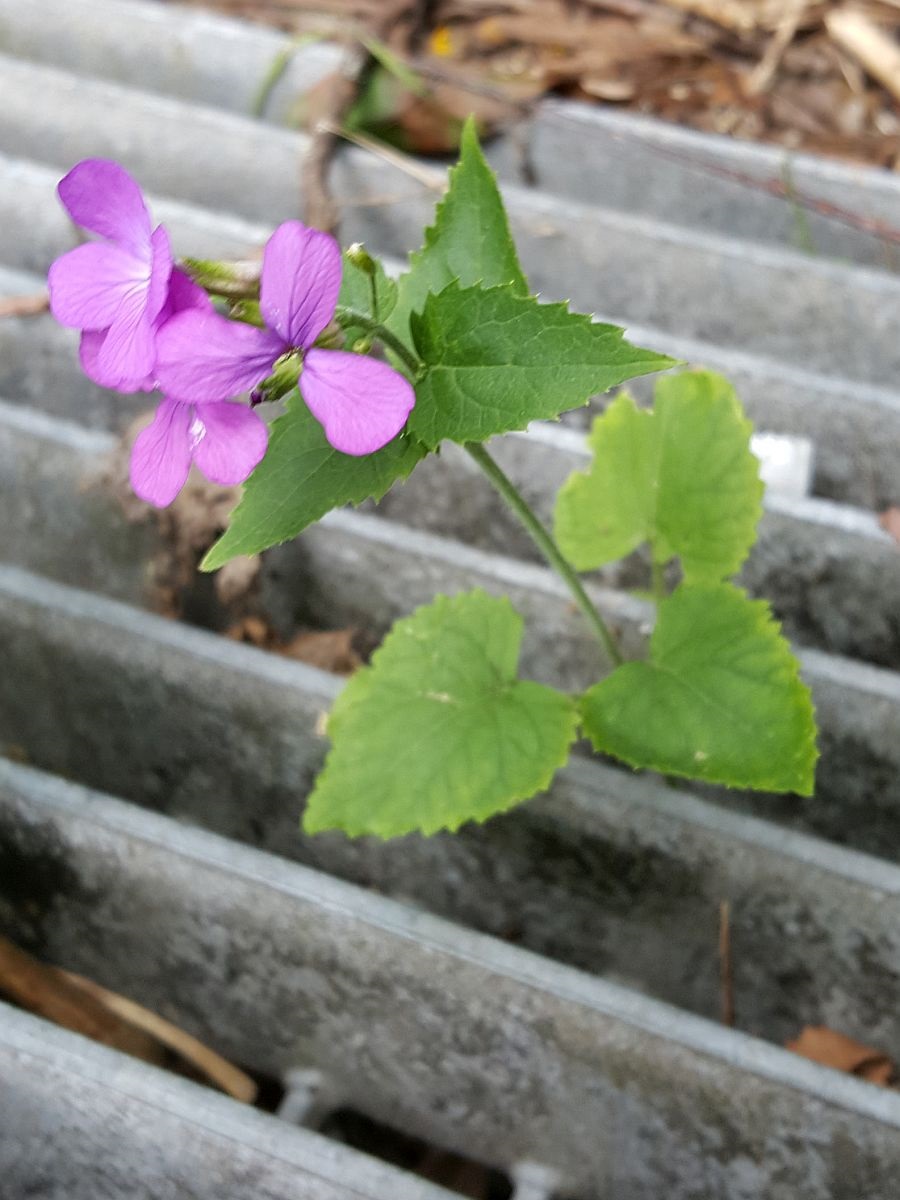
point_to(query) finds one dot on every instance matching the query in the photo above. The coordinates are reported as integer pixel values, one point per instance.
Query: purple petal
(127, 354)
(101, 196)
(105, 374)
(88, 285)
(160, 272)
(184, 294)
(229, 440)
(301, 278)
(161, 456)
(202, 356)
(361, 402)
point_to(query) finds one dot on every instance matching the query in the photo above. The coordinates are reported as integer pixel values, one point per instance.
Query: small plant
(439, 729)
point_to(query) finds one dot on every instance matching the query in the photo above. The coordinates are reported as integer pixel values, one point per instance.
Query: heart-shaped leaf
(720, 698)
(681, 477)
(438, 730)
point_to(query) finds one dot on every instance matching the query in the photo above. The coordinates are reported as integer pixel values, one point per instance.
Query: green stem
(350, 316)
(547, 547)
(506, 488)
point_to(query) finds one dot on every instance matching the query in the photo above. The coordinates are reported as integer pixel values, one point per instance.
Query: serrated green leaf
(682, 477)
(469, 240)
(301, 478)
(720, 698)
(356, 290)
(494, 360)
(438, 730)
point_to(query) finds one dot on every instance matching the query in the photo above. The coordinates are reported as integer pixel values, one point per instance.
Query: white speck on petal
(197, 432)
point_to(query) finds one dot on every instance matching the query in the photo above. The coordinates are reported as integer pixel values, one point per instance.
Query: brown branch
(25, 306)
(319, 206)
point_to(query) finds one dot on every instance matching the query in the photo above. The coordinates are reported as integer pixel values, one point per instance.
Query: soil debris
(817, 75)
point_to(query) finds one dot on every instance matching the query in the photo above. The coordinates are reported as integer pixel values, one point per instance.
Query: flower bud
(361, 258)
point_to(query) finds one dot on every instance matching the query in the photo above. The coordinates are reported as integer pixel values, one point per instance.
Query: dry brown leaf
(832, 1049)
(889, 521)
(87, 1008)
(330, 650)
(254, 631)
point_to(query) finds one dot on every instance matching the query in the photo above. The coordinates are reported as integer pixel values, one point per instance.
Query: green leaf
(357, 290)
(469, 240)
(495, 360)
(301, 478)
(681, 477)
(438, 730)
(720, 698)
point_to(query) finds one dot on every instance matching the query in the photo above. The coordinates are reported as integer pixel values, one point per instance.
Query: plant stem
(507, 489)
(350, 316)
(547, 547)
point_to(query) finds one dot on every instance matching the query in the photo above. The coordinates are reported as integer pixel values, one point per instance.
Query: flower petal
(183, 294)
(161, 455)
(160, 272)
(229, 440)
(101, 196)
(301, 279)
(88, 285)
(361, 402)
(127, 354)
(202, 356)
(108, 375)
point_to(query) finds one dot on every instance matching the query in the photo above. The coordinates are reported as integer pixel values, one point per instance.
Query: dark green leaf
(495, 360)
(301, 478)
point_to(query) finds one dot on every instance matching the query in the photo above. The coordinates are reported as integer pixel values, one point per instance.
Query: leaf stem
(350, 316)
(547, 547)
(506, 488)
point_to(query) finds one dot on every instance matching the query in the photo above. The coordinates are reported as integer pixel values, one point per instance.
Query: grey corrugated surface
(81, 1122)
(459, 1037)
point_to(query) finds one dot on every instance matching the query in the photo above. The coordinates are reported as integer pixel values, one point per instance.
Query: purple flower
(115, 290)
(225, 440)
(362, 403)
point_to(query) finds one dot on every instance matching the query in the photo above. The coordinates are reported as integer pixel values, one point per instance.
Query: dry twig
(87, 1008)
(25, 306)
(319, 207)
(862, 38)
(761, 75)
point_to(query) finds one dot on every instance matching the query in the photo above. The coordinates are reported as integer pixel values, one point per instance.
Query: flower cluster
(144, 324)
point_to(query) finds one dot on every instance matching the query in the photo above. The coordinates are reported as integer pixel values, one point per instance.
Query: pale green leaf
(438, 730)
(494, 360)
(469, 240)
(681, 477)
(720, 698)
(301, 478)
